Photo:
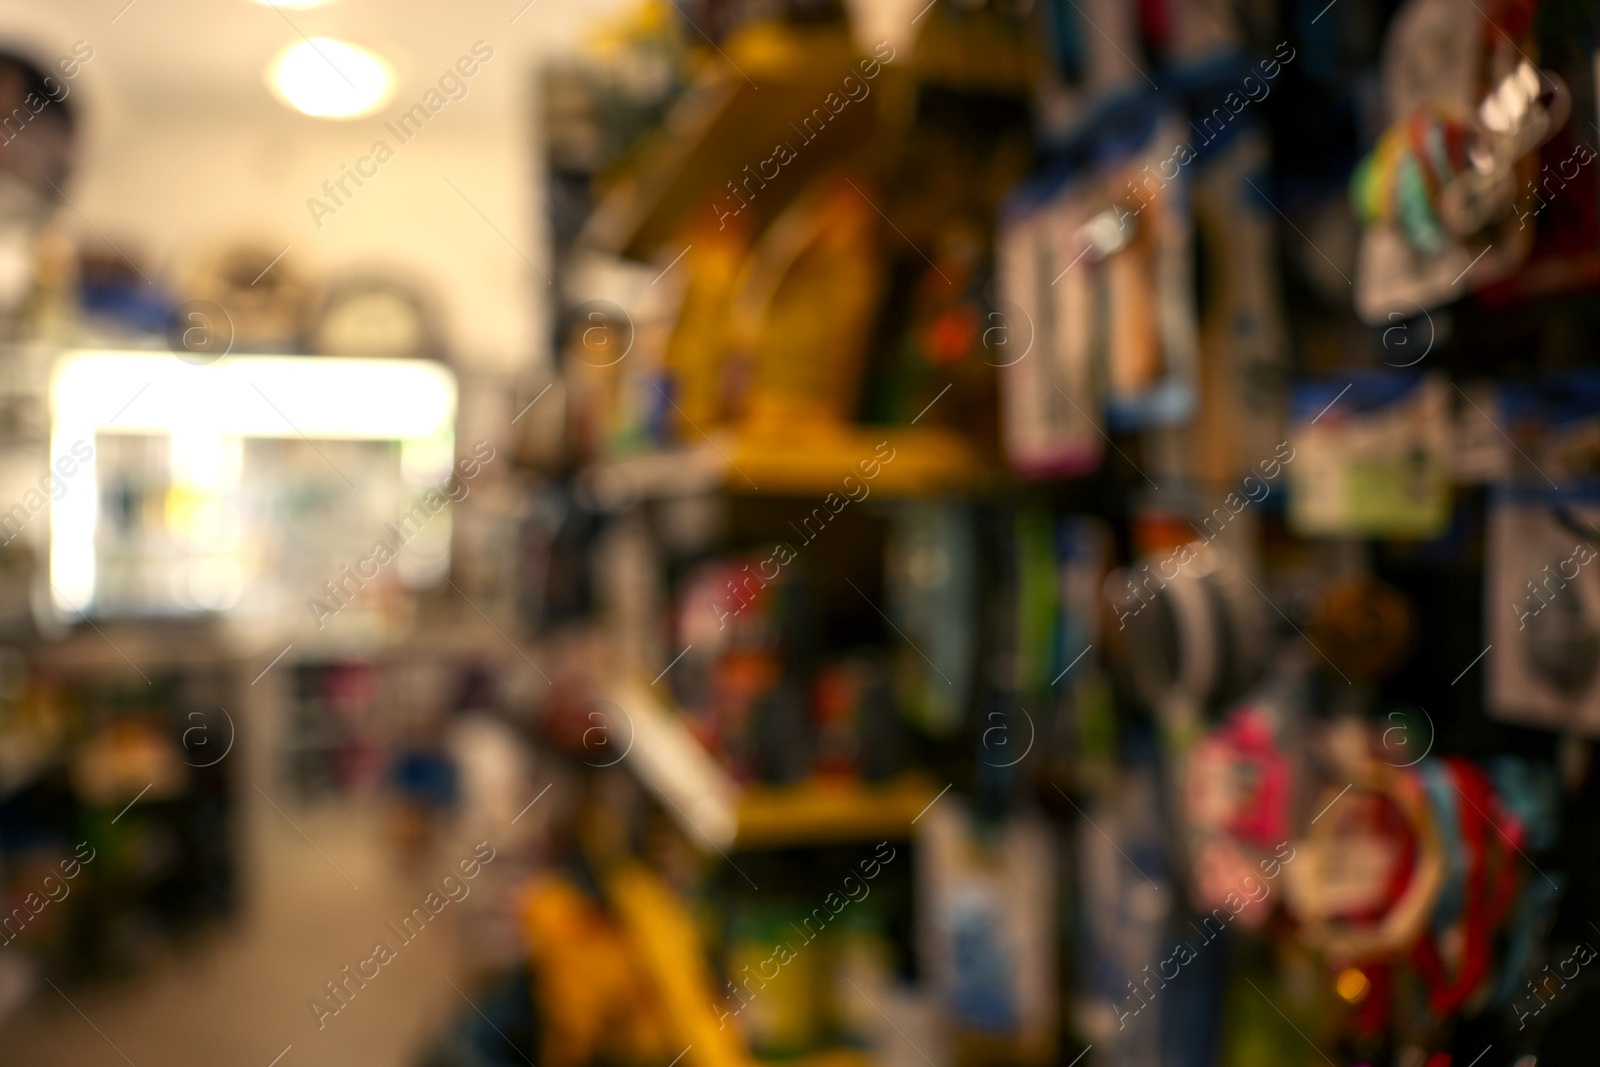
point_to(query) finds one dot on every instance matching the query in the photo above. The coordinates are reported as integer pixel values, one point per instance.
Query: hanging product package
(1373, 457)
(1243, 347)
(1542, 608)
(933, 590)
(1370, 871)
(1125, 900)
(986, 930)
(1099, 265)
(1048, 391)
(1541, 595)
(1084, 732)
(1138, 286)
(1195, 635)
(1239, 797)
(1438, 192)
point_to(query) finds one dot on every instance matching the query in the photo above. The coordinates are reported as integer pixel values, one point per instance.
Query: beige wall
(184, 147)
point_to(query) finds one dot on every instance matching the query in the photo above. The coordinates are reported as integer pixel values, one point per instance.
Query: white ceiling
(210, 54)
(183, 148)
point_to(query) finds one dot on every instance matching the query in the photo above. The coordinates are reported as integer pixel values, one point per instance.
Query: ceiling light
(331, 79)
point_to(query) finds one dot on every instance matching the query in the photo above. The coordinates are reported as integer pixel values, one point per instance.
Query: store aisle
(242, 998)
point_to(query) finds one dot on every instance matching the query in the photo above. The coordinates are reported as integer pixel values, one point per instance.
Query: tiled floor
(242, 999)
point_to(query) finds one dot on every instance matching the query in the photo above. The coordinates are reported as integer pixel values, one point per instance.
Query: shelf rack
(815, 462)
(712, 809)
(820, 811)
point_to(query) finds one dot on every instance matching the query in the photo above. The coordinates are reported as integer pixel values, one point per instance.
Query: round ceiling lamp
(331, 79)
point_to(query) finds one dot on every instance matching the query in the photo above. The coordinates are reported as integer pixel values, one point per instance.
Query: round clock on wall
(375, 316)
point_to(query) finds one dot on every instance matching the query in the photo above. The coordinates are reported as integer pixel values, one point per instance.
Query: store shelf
(832, 1057)
(712, 808)
(920, 462)
(818, 812)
